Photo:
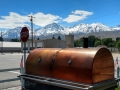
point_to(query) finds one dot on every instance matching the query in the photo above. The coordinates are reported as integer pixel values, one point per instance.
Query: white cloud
(44, 19)
(15, 19)
(77, 16)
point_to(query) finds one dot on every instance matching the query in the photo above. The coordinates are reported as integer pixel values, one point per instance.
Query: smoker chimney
(85, 42)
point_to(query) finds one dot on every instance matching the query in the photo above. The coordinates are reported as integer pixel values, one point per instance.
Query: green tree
(97, 43)
(117, 39)
(53, 37)
(91, 40)
(106, 41)
(59, 37)
(15, 40)
(38, 39)
(111, 45)
(118, 45)
(1, 39)
(78, 43)
(75, 45)
(114, 44)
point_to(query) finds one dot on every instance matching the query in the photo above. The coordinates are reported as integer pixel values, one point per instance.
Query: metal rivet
(69, 61)
(39, 59)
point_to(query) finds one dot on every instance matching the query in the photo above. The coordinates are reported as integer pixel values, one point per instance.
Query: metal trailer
(33, 82)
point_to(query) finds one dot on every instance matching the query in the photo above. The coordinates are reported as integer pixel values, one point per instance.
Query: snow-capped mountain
(53, 28)
(88, 28)
(116, 27)
(12, 33)
(49, 29)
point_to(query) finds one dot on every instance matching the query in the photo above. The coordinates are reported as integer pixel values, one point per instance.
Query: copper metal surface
(85, 65)
(103, 66)
(43, 67)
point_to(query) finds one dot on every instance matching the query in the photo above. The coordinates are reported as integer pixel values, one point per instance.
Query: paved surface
(8, 78)
(13, 88)
(9, 70)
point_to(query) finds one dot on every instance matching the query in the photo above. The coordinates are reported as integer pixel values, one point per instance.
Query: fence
(114, 49)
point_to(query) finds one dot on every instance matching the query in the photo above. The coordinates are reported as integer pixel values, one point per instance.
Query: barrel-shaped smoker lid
(86, 65)
(39, 61)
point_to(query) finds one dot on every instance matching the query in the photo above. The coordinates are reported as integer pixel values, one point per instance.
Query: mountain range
(80, 30)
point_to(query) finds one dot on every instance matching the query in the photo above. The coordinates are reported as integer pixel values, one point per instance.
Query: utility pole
(31, 20)
(1, 43)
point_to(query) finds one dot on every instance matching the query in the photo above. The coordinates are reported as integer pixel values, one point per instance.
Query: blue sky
(14, 13)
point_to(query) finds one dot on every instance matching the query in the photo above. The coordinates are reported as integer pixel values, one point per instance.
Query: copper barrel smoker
(70, 69)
